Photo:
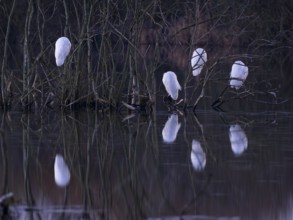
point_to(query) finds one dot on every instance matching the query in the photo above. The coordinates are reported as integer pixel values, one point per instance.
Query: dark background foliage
(112, 39)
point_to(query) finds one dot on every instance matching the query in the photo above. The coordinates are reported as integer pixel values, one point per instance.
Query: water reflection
(171, 129)
(198, 156)
(122, 170)
(61, 171)
(238, 139)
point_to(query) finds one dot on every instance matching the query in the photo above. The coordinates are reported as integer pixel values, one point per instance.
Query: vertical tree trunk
(4, 61)
(26, 59)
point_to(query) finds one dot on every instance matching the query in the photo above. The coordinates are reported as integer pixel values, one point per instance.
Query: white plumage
(171, 129)
(198, 59)
(171, 84)
(198, 156)
(61, 171)
(238, 139)
(238, 75)
(62, 49)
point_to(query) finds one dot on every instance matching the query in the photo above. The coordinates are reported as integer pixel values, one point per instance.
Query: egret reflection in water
(171, 129)
(238, 139)
(61, 171)
(198, 156)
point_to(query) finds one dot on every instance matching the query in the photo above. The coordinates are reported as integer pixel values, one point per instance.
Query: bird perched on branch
(238, 75)
(62, 49)
(198, 59)
(171, 84)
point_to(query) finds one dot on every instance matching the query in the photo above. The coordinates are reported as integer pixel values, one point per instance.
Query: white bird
(238, 139)
(238, 75)
(171, 84)
(62, 49)
(61, 171)
(198, 59)
(198, 156)
(171, 129)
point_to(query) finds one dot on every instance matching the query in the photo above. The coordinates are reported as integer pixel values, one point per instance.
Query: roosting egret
(198, 156)
(171, 84)
(238, 139)
(238, 74)
(198, 59)
(61, 171)
(171, 129)
(62, 49)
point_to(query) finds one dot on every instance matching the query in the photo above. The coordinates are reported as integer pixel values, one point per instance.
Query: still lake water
(121, 168)
(226, 166)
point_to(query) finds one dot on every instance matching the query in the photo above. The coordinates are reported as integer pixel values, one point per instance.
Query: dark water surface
(123, 169)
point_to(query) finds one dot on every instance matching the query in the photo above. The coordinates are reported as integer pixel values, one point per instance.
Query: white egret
(171, 129)
(198, 156)
(198, 59)
(61, 171)
(238, 74)
(238, 139)
(62, 49)
(171, 84)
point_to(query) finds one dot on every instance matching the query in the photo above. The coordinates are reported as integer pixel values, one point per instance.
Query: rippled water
(213, 165)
